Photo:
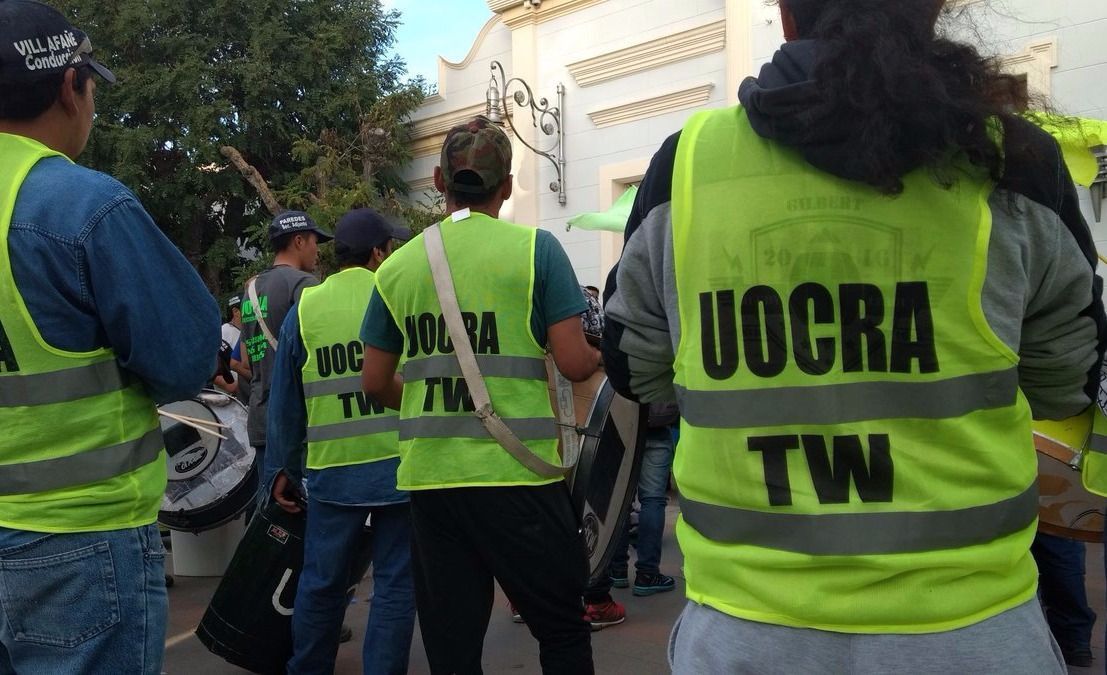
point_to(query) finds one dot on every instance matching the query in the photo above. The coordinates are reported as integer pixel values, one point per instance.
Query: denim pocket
(60, 600)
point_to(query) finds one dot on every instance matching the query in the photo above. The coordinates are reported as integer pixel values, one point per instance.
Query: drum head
(209, 480)
(1065, 508)
(605, 479)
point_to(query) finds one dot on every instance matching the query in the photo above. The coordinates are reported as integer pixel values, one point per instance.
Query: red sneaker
(604, 614)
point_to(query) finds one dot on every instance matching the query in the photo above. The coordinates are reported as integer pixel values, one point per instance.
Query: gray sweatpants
(1016, 642)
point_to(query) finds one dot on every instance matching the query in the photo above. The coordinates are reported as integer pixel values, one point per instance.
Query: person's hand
(286, 494)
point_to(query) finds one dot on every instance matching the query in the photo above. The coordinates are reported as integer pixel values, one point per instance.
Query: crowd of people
(855, 462)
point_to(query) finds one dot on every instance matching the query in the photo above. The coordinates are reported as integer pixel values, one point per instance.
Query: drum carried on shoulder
(1065, 508)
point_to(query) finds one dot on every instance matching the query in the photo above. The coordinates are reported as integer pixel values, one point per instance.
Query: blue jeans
(89, 603)
(1061, 586)
(653, 484)
(334, 534)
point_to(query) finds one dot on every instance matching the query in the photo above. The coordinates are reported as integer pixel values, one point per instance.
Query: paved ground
(637, 646)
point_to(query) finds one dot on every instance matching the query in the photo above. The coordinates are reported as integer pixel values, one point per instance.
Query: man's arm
(559, 300)
(642, 323)
(287, 420)
(159, 319)
(383, 345)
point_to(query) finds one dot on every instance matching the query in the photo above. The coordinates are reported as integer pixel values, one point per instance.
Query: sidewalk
(636, 646)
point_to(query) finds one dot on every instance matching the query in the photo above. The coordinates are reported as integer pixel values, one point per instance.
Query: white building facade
(634, 70)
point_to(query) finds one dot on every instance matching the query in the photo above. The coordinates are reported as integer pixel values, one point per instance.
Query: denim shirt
(95, 271)
(371, 484)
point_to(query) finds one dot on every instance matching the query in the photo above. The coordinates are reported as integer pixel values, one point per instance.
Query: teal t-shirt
(557, 296)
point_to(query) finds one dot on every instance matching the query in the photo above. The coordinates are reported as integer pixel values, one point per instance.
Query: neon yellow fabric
(1093, 472)
(799, 295)
(61, 440)
(1076, 136)
(354, 428)
(441, 442)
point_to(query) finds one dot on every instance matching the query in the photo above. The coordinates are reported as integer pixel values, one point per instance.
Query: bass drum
(211, 481)
(606, 476)
(1065, 508)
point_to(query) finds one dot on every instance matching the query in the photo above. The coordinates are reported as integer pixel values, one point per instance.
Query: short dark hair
(465, 199)
(28, 100)
(284, 241)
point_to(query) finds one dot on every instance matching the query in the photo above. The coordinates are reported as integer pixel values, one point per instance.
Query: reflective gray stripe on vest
(863, 533)
(518, 367)
(1098, 444)
(362, 427)
(469, 426)
(340, 385)
(852, 402)
(81, 469)
(61, 386)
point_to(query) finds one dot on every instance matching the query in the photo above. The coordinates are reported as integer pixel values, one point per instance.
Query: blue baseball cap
(296, 221)
(36, 41)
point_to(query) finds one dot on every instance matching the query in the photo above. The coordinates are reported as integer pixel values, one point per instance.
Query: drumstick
(197, 420)
(187, 423)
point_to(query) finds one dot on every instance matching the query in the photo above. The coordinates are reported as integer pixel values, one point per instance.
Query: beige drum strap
(451, 312)
(252, 291)
(1058, 451)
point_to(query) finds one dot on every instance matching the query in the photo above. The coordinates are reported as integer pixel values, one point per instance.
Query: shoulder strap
(252, 291)
(470, 370)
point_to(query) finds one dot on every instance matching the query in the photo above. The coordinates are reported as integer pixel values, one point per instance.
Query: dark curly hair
(910, 96)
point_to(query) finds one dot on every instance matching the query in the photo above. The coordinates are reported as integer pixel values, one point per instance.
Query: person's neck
(43, 129)
(289, 259)
(492, 210)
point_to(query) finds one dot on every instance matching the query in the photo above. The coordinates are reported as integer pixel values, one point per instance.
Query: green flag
(611, 220)
(1076, 137)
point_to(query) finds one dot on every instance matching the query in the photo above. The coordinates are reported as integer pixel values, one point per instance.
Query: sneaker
(515, 615)
(619, 579)
(604, 614)
(1080, 657)
(648, 584)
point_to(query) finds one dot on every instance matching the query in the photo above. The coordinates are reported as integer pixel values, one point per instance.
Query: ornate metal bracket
(542, 115)
(1099, 185)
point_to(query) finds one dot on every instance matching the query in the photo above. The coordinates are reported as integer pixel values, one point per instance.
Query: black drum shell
(242, 623)
(217, 513)
(603, 452)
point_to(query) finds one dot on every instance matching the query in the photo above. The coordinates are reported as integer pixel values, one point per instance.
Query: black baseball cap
(37, 41)
(362, 230)
(295, 221)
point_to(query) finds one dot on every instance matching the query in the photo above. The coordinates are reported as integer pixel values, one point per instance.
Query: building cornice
(516, 13)
(652, 106)
(704, 39)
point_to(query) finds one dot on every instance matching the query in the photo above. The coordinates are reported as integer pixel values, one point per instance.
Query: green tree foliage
(297, 86)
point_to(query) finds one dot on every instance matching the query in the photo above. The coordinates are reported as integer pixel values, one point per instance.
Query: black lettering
(455, 395)
(862, 314)
(913, 329)
(445, 344)
(367, 405)
(412, 336)
(323, 361)
(428, 401)
(347, 404)
(774, 457)
(338, 358)
(427, 325)
(354, 353)
(874, 480)
(720, 357)
(471, 326)
(489, 342)
(766, 350)
(817, 358)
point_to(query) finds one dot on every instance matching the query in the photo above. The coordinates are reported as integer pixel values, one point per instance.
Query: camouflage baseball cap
(478, 146)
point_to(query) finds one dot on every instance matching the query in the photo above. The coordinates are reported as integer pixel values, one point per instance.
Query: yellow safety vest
(344, 426)
(82, 448)
(442, 444)
(1093, 473)
(855, 452)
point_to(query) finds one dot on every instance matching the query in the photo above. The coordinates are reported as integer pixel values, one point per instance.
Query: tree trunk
(253, 178)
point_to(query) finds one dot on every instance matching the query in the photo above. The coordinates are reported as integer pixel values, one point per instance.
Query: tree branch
(253, 178)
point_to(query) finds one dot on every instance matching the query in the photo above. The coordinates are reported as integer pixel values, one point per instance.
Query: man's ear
(439, 182)
(68, 95)
(506, 187)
